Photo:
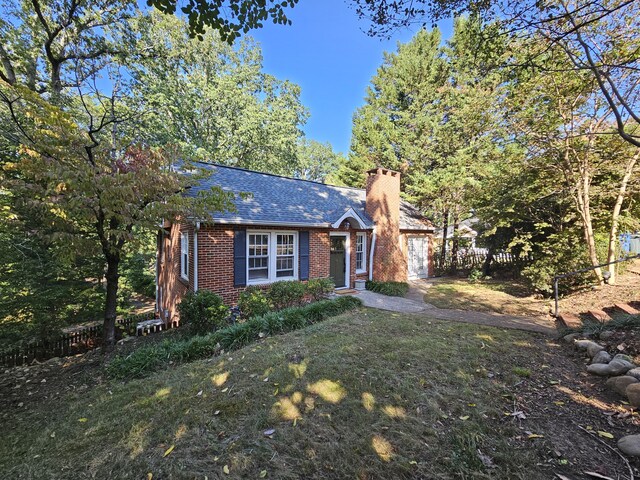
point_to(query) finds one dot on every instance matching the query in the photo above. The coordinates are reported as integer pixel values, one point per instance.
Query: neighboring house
(466, 234)
(291, 229)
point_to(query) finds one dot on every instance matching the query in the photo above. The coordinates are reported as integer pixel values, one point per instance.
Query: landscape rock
(571, 338)
(619, 367)
(633, 394)
(620, 384)
(593, 349)
(590, 347)
(601, 369)
(623, 357)
(606, 335)
(630, 445)
(601, 357)
(611, 369)
(583, 344)
(634, 372)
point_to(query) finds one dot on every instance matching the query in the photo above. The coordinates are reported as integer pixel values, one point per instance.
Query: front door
(418, 257)
(338, 261)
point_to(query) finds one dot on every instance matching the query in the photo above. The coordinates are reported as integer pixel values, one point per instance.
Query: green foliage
(475, 275)
(239, 16)
(316, 161)
(138, 273)
(253, 302)
(392, 289)
(153, 357)
(319, 288)
(202, 312)
(286, 294)
(246, 117)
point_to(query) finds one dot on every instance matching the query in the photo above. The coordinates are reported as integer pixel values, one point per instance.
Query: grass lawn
(365, 395)
(507, 297)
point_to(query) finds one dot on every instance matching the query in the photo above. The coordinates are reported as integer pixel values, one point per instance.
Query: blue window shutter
(304, 255)
(240, 258)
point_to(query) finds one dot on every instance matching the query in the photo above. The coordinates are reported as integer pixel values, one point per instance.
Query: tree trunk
(584, 207)
(615, 217)
(454, 244)
(486, 266)
(443, 248)
(112, 276)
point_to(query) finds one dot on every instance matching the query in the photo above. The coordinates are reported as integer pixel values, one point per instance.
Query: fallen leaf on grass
(604, 434)
(562, 477)
(597, 475)
(486, 460)
(225, 469)
(559, 404)
(263, 473)
(169, 450)
(466, 417)
(413, 462)
(149, 476)
(82, 420)
(535, 435)
(199, 394)
(269, 433)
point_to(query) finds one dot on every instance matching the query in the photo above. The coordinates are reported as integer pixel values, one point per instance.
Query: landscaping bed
(367, 394)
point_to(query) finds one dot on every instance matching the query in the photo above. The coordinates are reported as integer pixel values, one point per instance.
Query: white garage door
(418, 257)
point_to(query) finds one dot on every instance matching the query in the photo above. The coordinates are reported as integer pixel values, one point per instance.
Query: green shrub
(286, 294)
(202, 312)
(253, 302)
(153, 357)
(392, 289)
(319, 288)
(475, 275)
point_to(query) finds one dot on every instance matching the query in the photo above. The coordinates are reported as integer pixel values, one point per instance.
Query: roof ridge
(219, 165)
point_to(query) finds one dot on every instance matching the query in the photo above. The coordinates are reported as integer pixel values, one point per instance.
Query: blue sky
(328, 54)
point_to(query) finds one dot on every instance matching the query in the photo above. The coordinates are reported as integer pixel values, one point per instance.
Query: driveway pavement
(414, 303)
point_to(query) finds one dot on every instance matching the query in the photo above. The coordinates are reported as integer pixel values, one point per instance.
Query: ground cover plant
(368, 394)
(392, 289)
(146, 359)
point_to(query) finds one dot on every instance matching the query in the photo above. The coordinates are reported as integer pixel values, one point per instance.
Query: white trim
(347, 260)
(195, 257)
(184, 266)
(371, 252)
(272, 252)
(364, 252)
(351, 213)
(425, 264)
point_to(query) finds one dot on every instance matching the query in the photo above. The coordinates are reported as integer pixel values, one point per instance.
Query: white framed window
(184, 255)
(271, 256)
(361, 252)
(258, 257)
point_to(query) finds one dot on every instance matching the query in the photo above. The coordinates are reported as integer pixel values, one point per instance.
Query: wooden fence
(469, 259)
(70, 343)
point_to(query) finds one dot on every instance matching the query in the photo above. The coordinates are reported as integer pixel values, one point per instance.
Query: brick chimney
(383, 207)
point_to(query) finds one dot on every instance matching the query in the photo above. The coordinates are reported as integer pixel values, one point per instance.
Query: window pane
(258, 258)
(261, 274)
(285, 255)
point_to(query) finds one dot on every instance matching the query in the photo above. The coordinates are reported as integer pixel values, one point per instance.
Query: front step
(626, 309)
(600, 315)
(570, 320)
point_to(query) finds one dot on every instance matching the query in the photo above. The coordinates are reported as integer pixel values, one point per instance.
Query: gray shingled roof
(277, 200)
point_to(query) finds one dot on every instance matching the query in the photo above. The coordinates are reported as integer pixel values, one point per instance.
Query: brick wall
(383, 207)
(215, 261)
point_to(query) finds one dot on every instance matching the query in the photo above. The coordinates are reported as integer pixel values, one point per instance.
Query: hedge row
(153, 357)
(392, 289)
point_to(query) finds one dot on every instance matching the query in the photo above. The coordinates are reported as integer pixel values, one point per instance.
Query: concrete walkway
(414, 303)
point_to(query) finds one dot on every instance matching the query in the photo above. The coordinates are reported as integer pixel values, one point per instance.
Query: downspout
(159, 245)
(373, 248)
(195, 257)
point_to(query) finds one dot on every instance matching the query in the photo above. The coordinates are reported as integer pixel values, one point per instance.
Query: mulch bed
(568, 407)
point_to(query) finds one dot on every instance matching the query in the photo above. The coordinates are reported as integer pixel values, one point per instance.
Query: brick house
(290, 229)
